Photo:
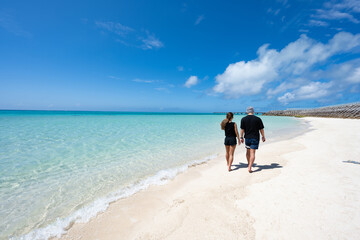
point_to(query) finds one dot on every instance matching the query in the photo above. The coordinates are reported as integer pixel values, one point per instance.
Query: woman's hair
(229, 116)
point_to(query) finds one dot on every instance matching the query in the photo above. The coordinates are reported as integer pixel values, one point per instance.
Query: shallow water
(60, 167)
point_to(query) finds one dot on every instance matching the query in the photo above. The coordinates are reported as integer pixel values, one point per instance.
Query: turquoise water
(61, 167)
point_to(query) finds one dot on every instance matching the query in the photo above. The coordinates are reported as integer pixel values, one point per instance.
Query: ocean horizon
(60, 167)
(30, 111)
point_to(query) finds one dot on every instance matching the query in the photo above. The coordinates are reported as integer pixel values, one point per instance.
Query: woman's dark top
(230, 130)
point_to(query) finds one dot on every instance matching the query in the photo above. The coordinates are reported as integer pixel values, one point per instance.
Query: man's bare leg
(248, 155)
(252, 159)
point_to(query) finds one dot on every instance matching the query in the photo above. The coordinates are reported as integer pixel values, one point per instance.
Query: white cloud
(245, 78)
(9, 23)
(317, 23)
(184, 7)
(295, 60)
(337, 10)
(162, 89)
(285, 86)
(354, 77)
(284, 2)
(114, 27)
(314, 90)
(274, 12)
(334, 15)
(304, 30)
(180, 68)
(349, 71)
(286, 98)
(151, 42)
(352, 5)
(199, 19)
(142, 39)
(144, 81)
(192, 80)
(113, 77)
(344, 74)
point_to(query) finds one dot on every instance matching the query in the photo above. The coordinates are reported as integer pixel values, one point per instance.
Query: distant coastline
(350, 110)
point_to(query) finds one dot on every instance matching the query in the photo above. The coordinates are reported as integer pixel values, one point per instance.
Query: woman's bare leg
(231, 156)
(227, 148)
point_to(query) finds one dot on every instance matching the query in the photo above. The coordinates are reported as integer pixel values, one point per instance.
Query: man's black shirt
(251, 125)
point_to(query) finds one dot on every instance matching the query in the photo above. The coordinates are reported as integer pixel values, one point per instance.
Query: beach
(306, 186)
(77, 163)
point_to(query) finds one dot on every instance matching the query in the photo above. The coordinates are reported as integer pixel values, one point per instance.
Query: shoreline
(87, 212)
(100, 205)
(73, 182)
(183, 178)
(207, 202)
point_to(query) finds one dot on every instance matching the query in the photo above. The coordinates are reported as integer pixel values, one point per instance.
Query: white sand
(307, 193)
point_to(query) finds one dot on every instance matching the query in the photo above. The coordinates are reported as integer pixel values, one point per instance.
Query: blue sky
(192, 56)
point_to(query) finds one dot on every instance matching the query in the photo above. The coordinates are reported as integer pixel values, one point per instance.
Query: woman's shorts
(251, 143)
(230, 141)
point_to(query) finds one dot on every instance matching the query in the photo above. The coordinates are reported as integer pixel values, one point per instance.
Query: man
(251, 125)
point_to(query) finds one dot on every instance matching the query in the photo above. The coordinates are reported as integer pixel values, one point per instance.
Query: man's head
(250, 110)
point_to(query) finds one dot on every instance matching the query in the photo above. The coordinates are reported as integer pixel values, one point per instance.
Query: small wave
(60, 226)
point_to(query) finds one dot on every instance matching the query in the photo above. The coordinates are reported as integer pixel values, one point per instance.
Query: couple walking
(250, 125)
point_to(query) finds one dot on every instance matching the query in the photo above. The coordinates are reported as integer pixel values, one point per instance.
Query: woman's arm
(237, 133)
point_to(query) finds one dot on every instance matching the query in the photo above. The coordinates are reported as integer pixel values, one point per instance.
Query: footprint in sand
(177, 202)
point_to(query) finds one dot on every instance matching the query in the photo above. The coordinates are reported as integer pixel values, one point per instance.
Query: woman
(231, 133)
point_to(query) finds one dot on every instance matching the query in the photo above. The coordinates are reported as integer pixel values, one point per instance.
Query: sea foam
(83, 215)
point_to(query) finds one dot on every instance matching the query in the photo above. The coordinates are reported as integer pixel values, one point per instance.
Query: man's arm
(262, 134)
(237, 133)
(242, 135)
(242, 130)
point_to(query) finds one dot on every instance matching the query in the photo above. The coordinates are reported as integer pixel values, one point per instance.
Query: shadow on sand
(350, 161)
(256, 167)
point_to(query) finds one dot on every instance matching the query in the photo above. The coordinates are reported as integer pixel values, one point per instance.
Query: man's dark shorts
(251, 143)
